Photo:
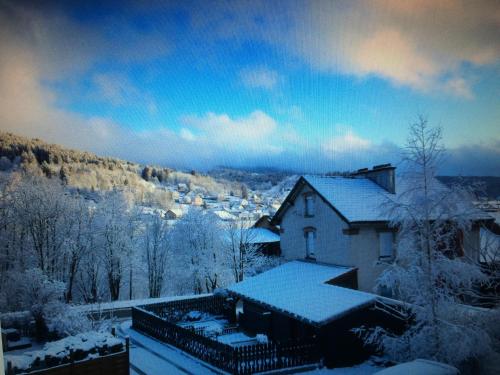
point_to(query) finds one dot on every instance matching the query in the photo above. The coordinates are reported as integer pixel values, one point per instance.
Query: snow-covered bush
(261, 338)
(193, 316)
(63, 320)
(83, 346)
(42, 298)
(213, 330)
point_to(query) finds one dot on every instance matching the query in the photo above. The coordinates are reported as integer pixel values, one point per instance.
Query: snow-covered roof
(262, 235)
(224, 215)
(299, 289)
(360, 199)
(176, 211)
(357, 199)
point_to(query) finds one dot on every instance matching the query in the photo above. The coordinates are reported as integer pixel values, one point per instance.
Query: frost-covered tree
(80, 242)
(156, 246)
(33, 291)
(245, 257)
(90, 276)
(115, 226)
(45, 211)
(199, 251)
(435, 270)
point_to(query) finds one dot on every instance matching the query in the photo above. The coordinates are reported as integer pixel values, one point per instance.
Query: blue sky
(311, 86)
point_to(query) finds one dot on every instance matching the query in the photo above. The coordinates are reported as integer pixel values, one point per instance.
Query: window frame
(310, 254)
(385, 258)
(309, 198)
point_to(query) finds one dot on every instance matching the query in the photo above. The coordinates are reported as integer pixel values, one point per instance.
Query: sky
(311, 86)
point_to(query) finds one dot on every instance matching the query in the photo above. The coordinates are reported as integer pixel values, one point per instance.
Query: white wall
(332, 246)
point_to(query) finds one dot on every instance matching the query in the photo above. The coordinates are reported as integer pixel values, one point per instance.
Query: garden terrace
(223, 344)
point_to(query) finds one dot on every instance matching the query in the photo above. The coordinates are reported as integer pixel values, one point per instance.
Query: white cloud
(345, 143)
(415, 43)
(187, 134)
(261, 77)
(115, 88)
(255, 133)
(64, 46)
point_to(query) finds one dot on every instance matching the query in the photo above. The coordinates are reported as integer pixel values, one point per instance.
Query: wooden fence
(174, 310)
(240, 360)
(116, 363)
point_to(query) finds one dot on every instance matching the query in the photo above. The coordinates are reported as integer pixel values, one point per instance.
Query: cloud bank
(421, 47)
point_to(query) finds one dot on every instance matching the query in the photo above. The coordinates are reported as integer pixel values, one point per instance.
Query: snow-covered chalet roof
(359, 199)
(262, 235)
(299, 289)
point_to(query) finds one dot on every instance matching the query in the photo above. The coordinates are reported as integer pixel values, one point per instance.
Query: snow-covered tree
(80, 242)
(199, 251)
(45, 212)
(245, 257)
(115, 226)
(90, 276)
(435, 270)
(156, 246)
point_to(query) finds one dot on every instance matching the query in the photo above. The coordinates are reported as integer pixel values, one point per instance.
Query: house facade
(342, 221)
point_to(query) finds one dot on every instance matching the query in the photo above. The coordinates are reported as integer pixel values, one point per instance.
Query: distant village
(226, 207)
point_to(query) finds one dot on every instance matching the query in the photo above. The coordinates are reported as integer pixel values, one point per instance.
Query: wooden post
(127, 348)
(71, 360)
(2, 370)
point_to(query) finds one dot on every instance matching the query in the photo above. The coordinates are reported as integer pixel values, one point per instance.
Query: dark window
(309, 205)
(310, 235)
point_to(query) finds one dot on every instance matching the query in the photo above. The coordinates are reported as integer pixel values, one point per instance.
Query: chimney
(383, 175)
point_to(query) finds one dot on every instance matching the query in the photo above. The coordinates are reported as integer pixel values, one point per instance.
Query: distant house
(267, 241)
(175, 196)
(197, 201)
(342, 221)
(265, 222)
(173, 214)
(182, 188)
(224, 215)
(266, 236)
(306, 300)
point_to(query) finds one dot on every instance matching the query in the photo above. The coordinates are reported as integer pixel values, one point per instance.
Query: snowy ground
(213, 326)
(366, 368)
(151, 357)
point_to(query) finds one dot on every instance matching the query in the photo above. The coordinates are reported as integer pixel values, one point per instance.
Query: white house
(342, 221)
